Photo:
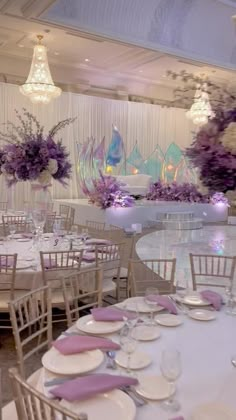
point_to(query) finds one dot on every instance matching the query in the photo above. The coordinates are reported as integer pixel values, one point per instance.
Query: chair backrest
(58, 264)
(159, 273)
(110, 257)
(95, 225)
(82, 291)
(31, 319)
(21, 223)
(3, 205)
(72, 215)
(8, 273)
(212, 270)
(64, 210)
(50, 219)
(32, 405)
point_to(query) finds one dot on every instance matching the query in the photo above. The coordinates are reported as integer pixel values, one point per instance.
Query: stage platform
(144, 212)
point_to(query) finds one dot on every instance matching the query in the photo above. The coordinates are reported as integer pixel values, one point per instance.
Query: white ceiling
(88, 63)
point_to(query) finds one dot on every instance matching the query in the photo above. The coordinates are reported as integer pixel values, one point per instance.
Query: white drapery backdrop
(147, 124)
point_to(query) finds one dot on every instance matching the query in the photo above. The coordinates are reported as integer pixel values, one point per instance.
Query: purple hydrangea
(185, 192)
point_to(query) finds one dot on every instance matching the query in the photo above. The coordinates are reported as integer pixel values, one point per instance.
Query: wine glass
(84, 234)
(12, 230)
(39, 219)
(181, 288)
(150, 299)
(57, 227)
(128, 345)
(171, 370)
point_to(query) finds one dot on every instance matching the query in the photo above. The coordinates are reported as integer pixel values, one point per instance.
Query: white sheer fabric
(147, 124)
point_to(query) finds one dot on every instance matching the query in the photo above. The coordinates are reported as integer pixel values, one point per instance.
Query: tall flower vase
(40, 197)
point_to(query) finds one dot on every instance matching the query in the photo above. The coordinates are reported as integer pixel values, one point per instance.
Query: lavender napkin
(88, 386)
(163, 301)
(89, 257)
(6, 262)
(178, 418)
(95, 241)
(214, 298)
(78, 344)
(111, 314)
(49, 263)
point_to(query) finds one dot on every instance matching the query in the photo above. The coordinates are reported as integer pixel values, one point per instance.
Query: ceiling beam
(5, 4)
(35, 8)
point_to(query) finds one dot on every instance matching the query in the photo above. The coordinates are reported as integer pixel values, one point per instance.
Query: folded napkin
(95, 241)
(178, 418)
(49, 263)
(89, 257)
(88, 386)
(163, 301)
(6, 262)
(111, 314)
(78, 344)
(214, 298)
(27, 235)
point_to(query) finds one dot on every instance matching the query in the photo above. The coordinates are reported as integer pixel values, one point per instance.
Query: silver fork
(132, 393)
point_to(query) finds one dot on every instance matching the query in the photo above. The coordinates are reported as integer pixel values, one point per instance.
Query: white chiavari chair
(109, 257)
(82, 291)
(31, 319)
(64, 211)
(32, 405)
(8, 291)
(159, 273)
(50, 220)
(55, 266)
(212, 270)
(92, 224)
(20, 223)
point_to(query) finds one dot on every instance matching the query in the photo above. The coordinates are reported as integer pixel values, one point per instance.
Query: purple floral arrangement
(29, 155)
(213, 152)
(219, 198)
(108, 192)
(185, 192)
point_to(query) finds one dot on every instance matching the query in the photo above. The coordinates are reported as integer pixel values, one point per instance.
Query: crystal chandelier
(39, 86)
(200, 110)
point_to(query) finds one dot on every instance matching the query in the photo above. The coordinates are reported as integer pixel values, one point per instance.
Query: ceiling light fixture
(87, 60)
(200, 111)
(39, 86)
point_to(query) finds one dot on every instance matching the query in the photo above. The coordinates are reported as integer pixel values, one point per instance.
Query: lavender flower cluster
(185, 192)
(108, 192)
(216, 163)
(31, 156)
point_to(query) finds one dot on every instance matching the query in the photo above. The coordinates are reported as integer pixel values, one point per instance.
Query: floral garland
(108, 192)
(29, 155)
(213, 152)
(185, 192)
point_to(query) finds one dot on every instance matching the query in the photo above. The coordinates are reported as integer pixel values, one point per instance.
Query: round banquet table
(28, 272)
(218, 240)
(207, 374)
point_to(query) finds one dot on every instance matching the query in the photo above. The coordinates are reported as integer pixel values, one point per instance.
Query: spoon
(233, 361)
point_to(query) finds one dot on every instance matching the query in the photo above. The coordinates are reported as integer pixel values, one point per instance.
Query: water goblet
(171, 369)
(12, 230)
(84, 234)
(128, 345)
(150, 294)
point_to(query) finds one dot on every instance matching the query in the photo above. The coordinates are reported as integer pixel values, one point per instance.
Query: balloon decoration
(94, 161)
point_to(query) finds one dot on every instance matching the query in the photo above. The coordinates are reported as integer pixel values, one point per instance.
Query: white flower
(228, 138)
(211, 128)
(44, 177)
(52, 166)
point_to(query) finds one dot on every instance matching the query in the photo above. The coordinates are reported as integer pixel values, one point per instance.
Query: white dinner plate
(195, 299)
(154, 387)
(146, 332)
(89, 325)
(115, 405)
(213, 411)
(138, 360)
(24, 240)
(168, 320)
(202, 314)
(138, 303)
(17, 236)
(72, 364)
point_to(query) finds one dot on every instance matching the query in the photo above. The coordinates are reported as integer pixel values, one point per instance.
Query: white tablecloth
(207, 374)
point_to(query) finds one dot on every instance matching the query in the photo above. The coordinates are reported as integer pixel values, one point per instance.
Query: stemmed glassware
(39, 219)
(84, 234)
(171, 369)
(12, 230)
(150, 294)
(128, 344)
